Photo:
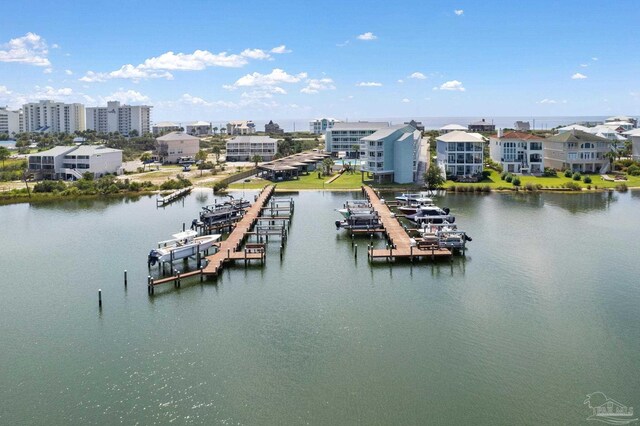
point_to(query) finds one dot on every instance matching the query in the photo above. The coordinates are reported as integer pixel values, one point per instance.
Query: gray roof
(177, 136)
(166, 124)
(458, 136)
(253, 139)
(94, 149)
(577, 136)
(386, 132)
(482, 122)
(56, 150)
(361, 125)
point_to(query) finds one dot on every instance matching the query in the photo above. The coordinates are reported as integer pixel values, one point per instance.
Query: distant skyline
(196, 60)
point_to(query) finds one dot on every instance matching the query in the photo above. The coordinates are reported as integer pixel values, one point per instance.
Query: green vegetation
(433, 178)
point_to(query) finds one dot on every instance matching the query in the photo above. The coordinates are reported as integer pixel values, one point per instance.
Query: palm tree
(256, 159)
(356, 150)
(216, 152)
(4, 154)
(201, 156)
(215, 129)
(327, 165)
(611, 155)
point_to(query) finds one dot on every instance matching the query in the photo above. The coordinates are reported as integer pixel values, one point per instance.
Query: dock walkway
(400, 244)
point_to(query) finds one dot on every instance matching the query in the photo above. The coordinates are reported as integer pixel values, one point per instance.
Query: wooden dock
(229, 250)
(400, 244)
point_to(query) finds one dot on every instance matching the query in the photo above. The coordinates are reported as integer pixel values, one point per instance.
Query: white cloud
(280, 50)
(584, 65)
(68, 72)
(458, 12)
(315, 85)
(4, 91)
(92, 77)
(418, 76)
(578, 76)
(255, 54)
(343, 44)
(401, 81)
(55, 46)
(594, 59)
(28, 49)
(368, 36)
(194, 100)
(547, 101)
(265, 92)
(48, 70)
(229, 87)
(276, 76)
(453, 85)
(128, 96)
(406, 101)
(369, 84)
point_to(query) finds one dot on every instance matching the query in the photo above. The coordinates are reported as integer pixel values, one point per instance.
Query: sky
(214, 60)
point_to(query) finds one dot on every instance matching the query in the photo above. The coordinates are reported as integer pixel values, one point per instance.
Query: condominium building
(71, 162)
(119, 118)
(164, 127)
(246, 127)
(199, 128)
(518, 152)
(391, 154)
(244, 148)
(344, 138)
(11, 122)
(48, 116)
(175, 145)
(635, 147)
(460, 154)
(577, 151)
(321, 125)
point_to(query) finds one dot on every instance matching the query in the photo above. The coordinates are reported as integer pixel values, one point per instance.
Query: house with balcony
(343, 139)
(577, 151)
(321, 125)
(175, 145)
(391, 154)
(199, 128)
(245, 127)
(71, 162)
(244, 148)
(481, 126)
(460, 155)
(518, 152)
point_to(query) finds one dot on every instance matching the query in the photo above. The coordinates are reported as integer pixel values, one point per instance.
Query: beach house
(171, 147)
(460, 155)
(577, 151)
(391, 154)
(517, 152)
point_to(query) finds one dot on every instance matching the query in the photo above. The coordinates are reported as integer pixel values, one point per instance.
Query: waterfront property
(199, 128)
(346, 137)
(245, 127)
(53, 117)
(244, 148)
(623, 118)
(391, 154)
(460, 155)
(119, 118)
(416, 124)
(11, 122)
(321, 125)
(481, 126)
(174, 145)
(452, 128)
(522, 126)
(71, 162)
(518, 152)
(164, 127)
(290, 167)
(635, 146)
(577, 151)
(273, 128)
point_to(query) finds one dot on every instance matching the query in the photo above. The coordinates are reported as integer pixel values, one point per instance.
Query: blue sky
(210, 60)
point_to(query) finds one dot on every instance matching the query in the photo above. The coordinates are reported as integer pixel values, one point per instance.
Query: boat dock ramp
(268, 216)
(168, 199)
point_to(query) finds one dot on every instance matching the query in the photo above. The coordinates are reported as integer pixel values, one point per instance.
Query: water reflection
(93, 204)
(582, 203)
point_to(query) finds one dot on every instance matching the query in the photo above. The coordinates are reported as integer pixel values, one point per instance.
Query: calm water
(543, 310)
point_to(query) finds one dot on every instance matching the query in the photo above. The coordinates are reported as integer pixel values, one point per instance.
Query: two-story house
(577, 151)
(518, 152)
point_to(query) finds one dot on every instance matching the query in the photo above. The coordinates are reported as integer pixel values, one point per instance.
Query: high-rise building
(48, 116)
(119, 118)
(11, 122)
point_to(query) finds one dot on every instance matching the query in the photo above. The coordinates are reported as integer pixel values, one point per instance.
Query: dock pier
(400, 245)
(162, 201)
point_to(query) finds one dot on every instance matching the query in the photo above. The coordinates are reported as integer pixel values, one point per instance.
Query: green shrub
(573, 186)
(486, 174)
(533, 187)
(633, 170)
(220, 186)
(622, 187)
(577, 176)
(509, 178)
(568, 173)
(49, 186)
(586, 179)
(549, 172)
(503, 175)
(516, 181)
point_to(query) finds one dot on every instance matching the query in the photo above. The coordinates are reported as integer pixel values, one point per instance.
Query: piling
(125, 277)
(100, 298)
(356, 251)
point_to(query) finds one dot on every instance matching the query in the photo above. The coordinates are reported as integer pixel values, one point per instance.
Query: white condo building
(321, 125)
(243, 148)
(246, 127)
(391, 154)
(199, 128)
(119, 118)
(53, 117)
(518, 152)
(345, 137)
(165, 127)
(71, 162)
(11, 122)
(460, 154)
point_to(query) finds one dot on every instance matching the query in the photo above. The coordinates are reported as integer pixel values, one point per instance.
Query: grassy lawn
(495, 182)
(310, 181)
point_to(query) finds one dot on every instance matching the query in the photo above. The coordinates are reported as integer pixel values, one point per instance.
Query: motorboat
(360, 220)
(445, 235)
(183, 244)
(431, 214)
(221, 213)
(409, 198)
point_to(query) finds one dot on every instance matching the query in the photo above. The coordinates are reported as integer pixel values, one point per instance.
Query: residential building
(518, 152)
(460, 154)
(391, 154)
(56, 117)
(482, 126)
(623, 118)
(522, 126)
(577, 151)
(119, 118)
(452, 128)
(344, 138)
(572, 127)
(635, 147)
(175, 145)
(199, 128)
(416, 125)
(71, 162)
(321, 125)
(246, 127)
(272, 128)
(243, 148)
(11, 122)
(164, 127)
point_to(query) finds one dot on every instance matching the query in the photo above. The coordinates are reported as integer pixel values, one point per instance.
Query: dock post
(201, 274)
(356, 251)
(125, 277)
(152, 290)
(281, 250)
(411, 252)
(100, 298)
(183, 227)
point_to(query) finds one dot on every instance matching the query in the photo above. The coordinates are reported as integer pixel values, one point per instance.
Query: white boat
(432, 214)
(363, 220)
(182, 245)
(408, 198)
(445, 235)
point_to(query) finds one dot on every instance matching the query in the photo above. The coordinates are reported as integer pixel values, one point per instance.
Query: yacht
(182, 245)
(431, 214)
(445, 235)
